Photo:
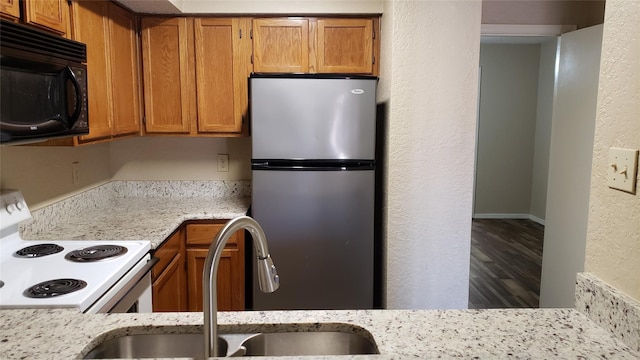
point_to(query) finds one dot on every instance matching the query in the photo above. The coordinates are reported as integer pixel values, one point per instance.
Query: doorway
(512, 162)
(568, 160)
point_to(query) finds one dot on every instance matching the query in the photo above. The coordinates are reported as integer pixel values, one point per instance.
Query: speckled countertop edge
(137, 210)
(514, 333)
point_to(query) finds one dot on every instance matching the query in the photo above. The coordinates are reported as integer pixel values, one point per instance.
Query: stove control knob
(11, 208)
(19, 205)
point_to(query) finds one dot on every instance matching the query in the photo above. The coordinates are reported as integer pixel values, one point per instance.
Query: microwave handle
(78, 92)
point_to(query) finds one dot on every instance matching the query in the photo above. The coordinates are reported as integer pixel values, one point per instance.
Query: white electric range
(92, 276)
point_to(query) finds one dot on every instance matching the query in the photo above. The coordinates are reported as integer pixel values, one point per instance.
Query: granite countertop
(116, 212)
(152, 211)
(516, 333)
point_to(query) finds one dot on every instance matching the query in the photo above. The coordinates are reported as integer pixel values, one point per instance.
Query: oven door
(131, 294)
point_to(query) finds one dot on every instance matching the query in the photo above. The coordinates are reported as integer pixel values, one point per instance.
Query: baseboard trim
(509, 216)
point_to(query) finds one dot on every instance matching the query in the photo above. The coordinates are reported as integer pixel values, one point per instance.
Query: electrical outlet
(223, 162)
(623, 169)
(75, 172)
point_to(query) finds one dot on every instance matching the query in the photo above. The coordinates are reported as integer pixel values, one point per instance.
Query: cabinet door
(124, 71)
(221, 74)
(166, 75)
(231, 275)
(345, 46)
(168, 293)
(91, 28)
(281, 45)
(228, 299)
(48, 14)
(10, 9)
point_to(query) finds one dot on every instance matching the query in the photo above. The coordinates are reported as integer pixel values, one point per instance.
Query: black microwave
(43, 84)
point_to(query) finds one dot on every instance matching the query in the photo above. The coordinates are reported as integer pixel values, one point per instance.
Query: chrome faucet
(267, 275)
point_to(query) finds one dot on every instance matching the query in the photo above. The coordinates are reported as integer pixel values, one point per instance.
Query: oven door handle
(130, 285)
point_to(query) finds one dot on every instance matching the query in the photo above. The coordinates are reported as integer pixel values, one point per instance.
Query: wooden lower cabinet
(169, 275)
(177, 278)
(169, 289)
(231, 276)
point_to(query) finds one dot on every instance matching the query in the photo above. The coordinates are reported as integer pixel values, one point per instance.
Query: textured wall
(43, 173)
(506, 128)
(430, 80)
(613, 232)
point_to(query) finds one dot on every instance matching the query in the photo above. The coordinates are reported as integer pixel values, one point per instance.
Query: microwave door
(34, 103)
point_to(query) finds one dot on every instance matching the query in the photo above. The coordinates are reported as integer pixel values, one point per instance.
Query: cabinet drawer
(203, 234)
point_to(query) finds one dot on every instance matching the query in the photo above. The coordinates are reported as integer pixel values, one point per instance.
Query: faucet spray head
(267, 275)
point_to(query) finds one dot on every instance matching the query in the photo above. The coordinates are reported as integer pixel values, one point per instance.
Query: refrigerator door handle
(312, 165)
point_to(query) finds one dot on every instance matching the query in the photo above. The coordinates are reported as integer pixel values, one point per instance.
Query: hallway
(506, 260)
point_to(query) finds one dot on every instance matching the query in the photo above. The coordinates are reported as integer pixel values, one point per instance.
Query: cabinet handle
(251, 33)
(240, 32)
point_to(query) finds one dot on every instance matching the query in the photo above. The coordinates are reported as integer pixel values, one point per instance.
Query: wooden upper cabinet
(281, 45)
(10, 9)
(91, 28)
(52, 15)
(345, 46)
(222, 68)
(125, 80)
(167, 91)
(112, 65)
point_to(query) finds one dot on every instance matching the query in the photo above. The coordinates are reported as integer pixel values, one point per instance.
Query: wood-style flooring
(506, 261)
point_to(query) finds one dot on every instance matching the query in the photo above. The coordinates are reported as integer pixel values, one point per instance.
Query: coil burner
(52, 288)
(96, 253)
(39, 250)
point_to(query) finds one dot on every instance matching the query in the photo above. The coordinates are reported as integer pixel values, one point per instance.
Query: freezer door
(312, 118)
(320, 231)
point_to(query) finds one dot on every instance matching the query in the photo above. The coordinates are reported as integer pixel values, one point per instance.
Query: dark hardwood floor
(506, 260)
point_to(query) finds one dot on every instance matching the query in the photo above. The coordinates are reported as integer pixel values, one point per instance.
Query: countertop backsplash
(610, 308)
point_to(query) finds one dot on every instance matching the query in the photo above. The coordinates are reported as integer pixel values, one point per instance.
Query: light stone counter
(137, 210)
(490, 334)
(152, 210)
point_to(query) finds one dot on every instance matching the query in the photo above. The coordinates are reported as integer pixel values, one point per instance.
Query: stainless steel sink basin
(255, 344)
(308, 343)
(153, 345)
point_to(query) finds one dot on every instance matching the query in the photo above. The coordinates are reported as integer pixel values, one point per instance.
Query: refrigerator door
(319, 226)
(313, 118)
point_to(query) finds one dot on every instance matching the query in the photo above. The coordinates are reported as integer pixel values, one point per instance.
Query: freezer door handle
(312, 165)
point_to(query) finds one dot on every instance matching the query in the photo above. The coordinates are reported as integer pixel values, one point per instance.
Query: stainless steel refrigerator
(313, 166)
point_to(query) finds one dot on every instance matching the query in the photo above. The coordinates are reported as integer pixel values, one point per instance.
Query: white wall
(613, 232)
(571, 150)
(256, 6)
(179, 158)
(506, 128)
(43, 173)
(429, 80)
(544, 112)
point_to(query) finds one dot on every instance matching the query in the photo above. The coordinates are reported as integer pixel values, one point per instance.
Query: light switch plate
(623, 169)
(223, 162)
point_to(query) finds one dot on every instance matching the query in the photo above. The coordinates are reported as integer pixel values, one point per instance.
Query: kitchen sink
(308, 343)
(283, 343)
